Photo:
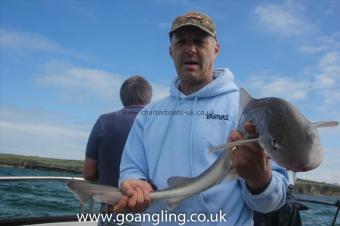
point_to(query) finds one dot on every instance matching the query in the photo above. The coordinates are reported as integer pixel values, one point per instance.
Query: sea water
(20, 199)
(35, 198)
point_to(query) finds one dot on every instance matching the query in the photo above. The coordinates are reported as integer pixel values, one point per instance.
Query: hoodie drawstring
(164, 138)
(191, 135)
(194, 109)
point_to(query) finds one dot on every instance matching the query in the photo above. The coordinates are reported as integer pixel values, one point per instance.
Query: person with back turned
(108, 136)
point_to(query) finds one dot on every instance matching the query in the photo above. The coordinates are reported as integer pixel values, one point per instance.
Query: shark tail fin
(84, 191)
(76, 188)
(232, 144)
(325, 124)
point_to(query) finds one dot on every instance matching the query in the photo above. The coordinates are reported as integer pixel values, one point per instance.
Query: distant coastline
(316, 188)
(34, 162)
(76, 166)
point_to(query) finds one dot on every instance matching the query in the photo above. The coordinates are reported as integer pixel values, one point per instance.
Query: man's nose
(190, 48)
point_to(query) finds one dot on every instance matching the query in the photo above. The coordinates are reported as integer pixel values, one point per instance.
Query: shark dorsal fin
(177, 181)
(245, 99)
(325, 124)
(224, 147)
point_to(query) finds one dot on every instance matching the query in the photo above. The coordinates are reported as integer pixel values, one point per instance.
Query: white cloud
(41, 133)
(324, 83)
(311, 49)
(289, 19)
(325, 43)
(76, 83)
(285, 19)
(22, 43)
(324, 80)
(159, 91)
(330, 64)
(328, 71)
(86, 80)
(39, 128)
(327, 79)
(279, 86)
(27, 41)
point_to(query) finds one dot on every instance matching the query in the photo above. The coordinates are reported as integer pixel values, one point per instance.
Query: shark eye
(274, 144)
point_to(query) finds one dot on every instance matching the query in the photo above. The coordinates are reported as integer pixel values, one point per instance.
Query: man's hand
(250, 161)
(136, 197)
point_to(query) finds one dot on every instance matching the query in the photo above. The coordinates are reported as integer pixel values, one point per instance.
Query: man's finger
(127, 189)
(140, 197)
(235, 135)
(121, 205)
(132, 200)
(147, 198)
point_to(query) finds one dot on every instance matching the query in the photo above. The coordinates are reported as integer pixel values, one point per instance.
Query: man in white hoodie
(171, 137)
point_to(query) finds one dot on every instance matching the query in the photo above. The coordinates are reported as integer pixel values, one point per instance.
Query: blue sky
(62, 63)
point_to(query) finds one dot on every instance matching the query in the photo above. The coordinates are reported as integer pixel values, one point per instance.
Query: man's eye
(199, 42)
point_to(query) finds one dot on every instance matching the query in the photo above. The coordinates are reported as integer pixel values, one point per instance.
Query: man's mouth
(190, 62)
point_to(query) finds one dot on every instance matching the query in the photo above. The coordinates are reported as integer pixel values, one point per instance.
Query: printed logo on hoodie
(217, 116)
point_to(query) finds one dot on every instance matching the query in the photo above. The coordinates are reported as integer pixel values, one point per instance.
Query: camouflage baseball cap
(197, 19)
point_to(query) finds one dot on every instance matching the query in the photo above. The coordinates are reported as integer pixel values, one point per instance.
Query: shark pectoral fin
(174, 202)
(224, 147)
(325, 124)
(177, 181)
(245, 98)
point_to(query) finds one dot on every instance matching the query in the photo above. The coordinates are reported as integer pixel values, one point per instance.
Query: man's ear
(217, 49)
(170, 52)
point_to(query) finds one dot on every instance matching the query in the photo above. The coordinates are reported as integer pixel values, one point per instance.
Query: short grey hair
(136, 90)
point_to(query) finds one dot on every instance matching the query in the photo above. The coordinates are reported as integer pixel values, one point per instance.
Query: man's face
(193, 52)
